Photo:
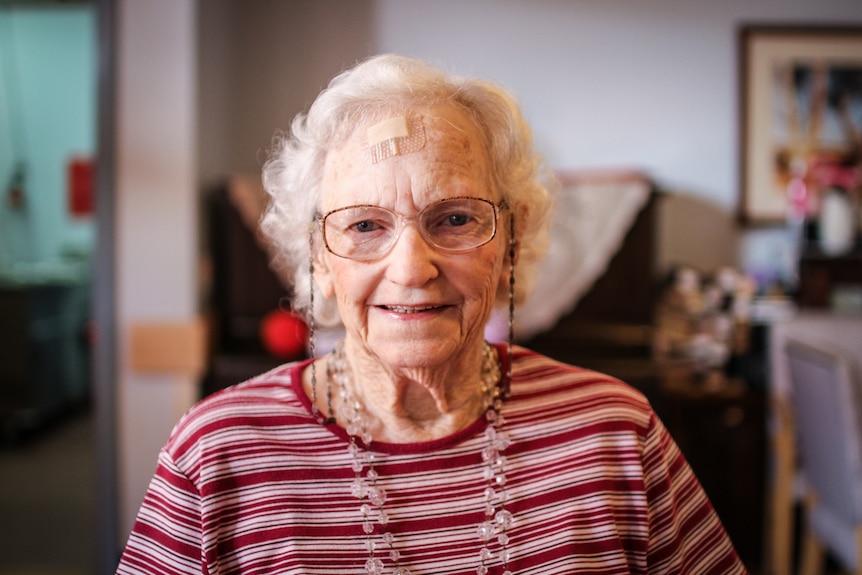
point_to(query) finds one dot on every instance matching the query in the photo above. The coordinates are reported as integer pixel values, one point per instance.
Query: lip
(411, 310)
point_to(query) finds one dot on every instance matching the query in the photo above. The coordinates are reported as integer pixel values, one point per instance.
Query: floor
(47, 500)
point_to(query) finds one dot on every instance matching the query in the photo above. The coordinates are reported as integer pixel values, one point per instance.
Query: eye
(455, 216)
(365, 226)
(457, 219)
(359, 220)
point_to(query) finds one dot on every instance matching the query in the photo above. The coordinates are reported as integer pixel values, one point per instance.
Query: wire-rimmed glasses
(368, 232)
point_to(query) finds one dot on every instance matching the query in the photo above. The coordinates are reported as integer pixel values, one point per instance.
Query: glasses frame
(403, 220)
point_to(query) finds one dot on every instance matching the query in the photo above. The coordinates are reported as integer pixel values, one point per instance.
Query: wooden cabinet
(722, 433)
(610, 330)
(244, 290)
(820, 274)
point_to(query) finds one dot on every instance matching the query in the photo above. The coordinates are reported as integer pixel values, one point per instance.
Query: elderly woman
(408, 204)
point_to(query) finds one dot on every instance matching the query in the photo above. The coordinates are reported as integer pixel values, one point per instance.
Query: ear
(504, 278)
(323, 276)
(510, 247)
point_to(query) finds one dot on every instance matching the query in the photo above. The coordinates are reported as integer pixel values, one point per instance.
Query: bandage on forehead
(396, 136)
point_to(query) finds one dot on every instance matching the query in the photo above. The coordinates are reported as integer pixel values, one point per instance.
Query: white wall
(650, 84)
(156, 199)
(264, 61)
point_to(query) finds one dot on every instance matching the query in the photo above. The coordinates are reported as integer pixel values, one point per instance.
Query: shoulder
(536, 373)
(267, 400)
(543, 383)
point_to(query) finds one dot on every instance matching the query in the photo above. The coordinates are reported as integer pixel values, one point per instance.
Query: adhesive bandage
(396, 136)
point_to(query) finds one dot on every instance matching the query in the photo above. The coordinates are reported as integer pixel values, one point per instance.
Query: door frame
(104, 379)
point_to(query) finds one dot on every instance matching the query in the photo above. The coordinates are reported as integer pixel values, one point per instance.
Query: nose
(411, 262)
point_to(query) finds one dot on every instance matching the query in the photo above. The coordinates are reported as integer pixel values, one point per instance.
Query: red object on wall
(81, 174)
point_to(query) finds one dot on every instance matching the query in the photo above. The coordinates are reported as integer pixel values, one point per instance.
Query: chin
(420, 352)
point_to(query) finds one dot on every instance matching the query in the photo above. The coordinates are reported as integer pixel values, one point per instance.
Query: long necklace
(366, 486)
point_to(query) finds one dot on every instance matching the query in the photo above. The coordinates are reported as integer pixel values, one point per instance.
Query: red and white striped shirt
(250, 483)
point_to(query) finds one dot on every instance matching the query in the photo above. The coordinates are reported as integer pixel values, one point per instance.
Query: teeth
(406, 309)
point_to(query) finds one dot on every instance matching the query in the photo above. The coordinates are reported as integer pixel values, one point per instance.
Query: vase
(837, 223)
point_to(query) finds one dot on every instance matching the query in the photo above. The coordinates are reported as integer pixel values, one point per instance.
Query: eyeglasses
(366, 232)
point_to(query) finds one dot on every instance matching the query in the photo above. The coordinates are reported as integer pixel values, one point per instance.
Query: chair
(826, 408)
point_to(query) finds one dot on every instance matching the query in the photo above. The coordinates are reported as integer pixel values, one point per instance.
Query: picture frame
(800, 116)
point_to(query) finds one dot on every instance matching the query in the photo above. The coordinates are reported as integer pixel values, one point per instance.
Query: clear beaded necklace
(366, 486)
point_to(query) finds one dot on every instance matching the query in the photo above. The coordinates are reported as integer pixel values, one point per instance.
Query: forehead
(452, 156)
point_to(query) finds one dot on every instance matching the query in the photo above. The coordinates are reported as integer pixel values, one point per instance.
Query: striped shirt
(250, 483)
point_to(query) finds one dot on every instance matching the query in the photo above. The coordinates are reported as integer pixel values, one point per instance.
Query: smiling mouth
(410, 309)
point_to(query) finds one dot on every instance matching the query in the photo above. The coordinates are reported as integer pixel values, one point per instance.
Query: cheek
(350, 283)
(484, 280)
(339, 277)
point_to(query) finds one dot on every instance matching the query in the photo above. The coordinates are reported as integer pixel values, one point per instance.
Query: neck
(411, 405)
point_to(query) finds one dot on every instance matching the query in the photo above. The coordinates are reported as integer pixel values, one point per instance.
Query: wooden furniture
(720, 428)
(820, 274)
(718, 423)
(610, 328)
(244, 290)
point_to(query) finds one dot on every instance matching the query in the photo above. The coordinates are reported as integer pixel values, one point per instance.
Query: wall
(156, 201)
(650, 84)
(201, 89)
(47, 116)
(264, 61)
(620, 83)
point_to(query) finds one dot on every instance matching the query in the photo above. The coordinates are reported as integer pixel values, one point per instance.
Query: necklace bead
(497, 519)
(374, 566)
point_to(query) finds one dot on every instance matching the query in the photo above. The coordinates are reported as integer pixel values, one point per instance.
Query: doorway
(53, 411)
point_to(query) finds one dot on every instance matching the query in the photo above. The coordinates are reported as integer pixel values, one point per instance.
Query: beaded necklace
(366, 487)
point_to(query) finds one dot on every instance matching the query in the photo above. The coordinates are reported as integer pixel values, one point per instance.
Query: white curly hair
(377, 87)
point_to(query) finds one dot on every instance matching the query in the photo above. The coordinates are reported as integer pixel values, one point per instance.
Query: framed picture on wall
(801, 117)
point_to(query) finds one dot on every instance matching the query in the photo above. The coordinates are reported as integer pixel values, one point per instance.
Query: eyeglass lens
(367, 232)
